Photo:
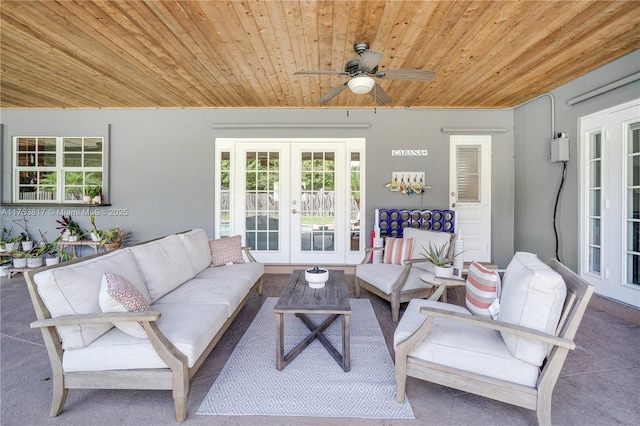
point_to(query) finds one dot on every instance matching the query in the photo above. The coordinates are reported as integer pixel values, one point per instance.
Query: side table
(441, 284)
(73, 244)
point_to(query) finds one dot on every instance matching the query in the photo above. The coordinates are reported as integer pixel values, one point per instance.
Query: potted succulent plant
(439, 257)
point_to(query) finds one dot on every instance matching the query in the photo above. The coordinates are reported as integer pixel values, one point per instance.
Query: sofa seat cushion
(190, 327)
(74, 289)
(383, 275)
(463, 346)
(532, 296)
(210, 291)
(164, 264)
(249, 271)
(196, 243)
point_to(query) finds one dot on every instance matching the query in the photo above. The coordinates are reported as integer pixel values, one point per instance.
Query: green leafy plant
(68, 224)
(438, 255)
(97, 232)
(114, 235)
(94, 191)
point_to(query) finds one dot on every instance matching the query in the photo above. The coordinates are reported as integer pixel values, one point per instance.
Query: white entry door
(297, 201)
(470, 193)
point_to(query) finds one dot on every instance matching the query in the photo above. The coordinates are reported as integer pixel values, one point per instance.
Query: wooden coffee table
(299, 299)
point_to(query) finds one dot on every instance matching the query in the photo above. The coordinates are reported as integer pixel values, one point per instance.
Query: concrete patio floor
(599, 384)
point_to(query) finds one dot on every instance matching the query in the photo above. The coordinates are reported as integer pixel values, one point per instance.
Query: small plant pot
(19, 262)
(51, 260)
(12, 246)
(34, 262)
(97, 199)
(73, 238)
(316, 279)
(112, 246)
(27, 245)
(86, 199)
(443, 271)
(95, 237)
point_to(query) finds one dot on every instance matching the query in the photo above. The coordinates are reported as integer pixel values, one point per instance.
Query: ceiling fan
(363, 69)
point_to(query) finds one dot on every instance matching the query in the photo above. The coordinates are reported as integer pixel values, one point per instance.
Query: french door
(610, 202)
(293, 201)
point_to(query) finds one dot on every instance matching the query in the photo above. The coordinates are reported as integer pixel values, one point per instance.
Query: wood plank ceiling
(243, 54)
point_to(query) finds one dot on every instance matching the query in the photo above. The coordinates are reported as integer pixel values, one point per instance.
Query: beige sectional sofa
(186, 302)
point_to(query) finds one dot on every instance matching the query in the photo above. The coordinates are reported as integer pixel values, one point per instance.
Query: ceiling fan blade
(321, 72)
(369, 59)
(332, 93)
(379, 95)
(412, 75)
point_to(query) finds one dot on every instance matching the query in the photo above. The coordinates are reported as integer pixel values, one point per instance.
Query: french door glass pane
(633, 203)
(354, 216)
(317, 201)
(595, 202)
(261, 202)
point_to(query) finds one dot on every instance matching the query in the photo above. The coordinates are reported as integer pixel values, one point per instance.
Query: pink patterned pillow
(397, 250)
(226, 250)
(481, 290)
(119, 295)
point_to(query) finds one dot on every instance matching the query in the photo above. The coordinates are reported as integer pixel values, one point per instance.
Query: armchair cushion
(384, 275)
(481, 289)
(463, 346)
(422, 238)
(532, 296)
(119, 295)
(397, 250)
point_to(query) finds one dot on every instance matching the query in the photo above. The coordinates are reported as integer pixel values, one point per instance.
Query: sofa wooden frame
(536, 398)
(176, 377)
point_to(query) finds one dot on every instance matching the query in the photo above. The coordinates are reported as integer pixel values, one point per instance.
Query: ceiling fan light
(361, 84)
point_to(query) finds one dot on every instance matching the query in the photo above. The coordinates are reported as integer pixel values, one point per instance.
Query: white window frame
(59, 169)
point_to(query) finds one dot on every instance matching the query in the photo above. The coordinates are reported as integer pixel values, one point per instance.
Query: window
(57, 169)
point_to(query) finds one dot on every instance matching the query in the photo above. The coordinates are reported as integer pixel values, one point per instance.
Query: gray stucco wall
(162, 161)
(537, 180)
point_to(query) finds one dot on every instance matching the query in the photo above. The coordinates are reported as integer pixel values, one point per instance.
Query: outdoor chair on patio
(397, 278)
(515, 359)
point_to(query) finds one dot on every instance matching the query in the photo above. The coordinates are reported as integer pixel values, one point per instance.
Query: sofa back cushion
(196, 243)
(74, 289)
(164, 264)
(421, 241)
(532, 296)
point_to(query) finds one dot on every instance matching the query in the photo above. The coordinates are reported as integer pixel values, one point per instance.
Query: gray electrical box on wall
(560, 149)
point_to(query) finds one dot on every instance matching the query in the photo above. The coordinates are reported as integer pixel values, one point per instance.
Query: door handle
(453, 204)
(294, 211)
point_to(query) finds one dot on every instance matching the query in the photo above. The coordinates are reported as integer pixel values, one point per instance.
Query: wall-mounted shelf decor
(407, 183)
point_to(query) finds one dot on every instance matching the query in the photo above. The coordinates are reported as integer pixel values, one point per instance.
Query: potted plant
(95, 193)
(69, 228)
(86, 198)
(439, 257)
(96, 234)
(14, 243)
(19, 259)
(113, 238)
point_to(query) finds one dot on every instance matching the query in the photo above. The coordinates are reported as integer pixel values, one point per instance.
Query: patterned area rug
(313, 384)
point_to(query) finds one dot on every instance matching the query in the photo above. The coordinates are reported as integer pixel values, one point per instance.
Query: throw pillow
(226, 250)
(481, 290)
(119, 295)
(397, 250)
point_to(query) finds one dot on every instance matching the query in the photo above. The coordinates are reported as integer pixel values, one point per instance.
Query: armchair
(515, 359)
(400, 282)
